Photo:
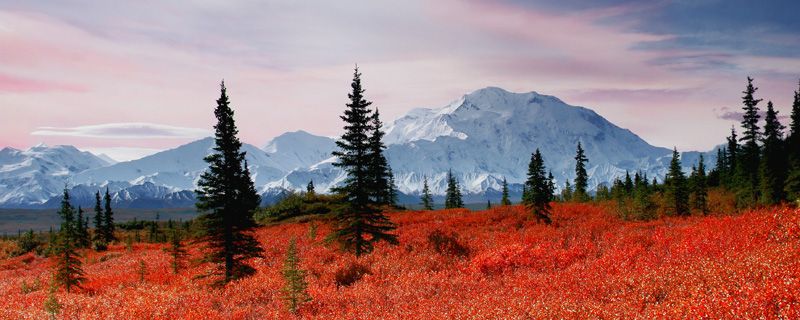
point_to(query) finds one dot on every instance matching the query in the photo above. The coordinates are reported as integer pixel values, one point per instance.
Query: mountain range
(483, 137)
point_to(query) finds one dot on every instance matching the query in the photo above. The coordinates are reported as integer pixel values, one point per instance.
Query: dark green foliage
(505, 200)
(68, 271)
(774, 165)
(108, 220)
(357, 156)
(176, 251)
(792, 186)
(603, 193)
(732, 157)
(82, 230)
(676, 189)
(567, 194)
(379, 174)
(226, 200)
(99, 238)
(747, 163)
(27, 242)
(699, 187)
(581, 177)
(295, 205)
(427, 198)
(452, 197)
(294, 291)
(310, 192)
(539, 189)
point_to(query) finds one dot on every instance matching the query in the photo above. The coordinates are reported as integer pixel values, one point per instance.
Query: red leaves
(588, 265)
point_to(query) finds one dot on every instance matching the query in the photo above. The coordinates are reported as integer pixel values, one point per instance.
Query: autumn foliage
(455, 263)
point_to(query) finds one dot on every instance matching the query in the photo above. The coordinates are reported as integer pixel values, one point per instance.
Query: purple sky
(128, 78)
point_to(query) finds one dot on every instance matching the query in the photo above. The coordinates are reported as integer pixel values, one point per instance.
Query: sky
(129, 78)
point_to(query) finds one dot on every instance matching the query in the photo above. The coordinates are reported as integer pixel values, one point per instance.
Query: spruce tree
(773, 159)
(176, 251)
(567, 194)
(505, 200)
(792, 185)
(747, 178)
(427, 198)
(733, 159)
(539, 189)
(628, 184)
(226, 200)
(453, 194)
(99, 238)
(310, 189)
(392, 190)
(294, 292)
(378, 171)
(82, 227)
(68, 270)
(677, 195)
(700, 187)
(355, 156)
(108, 219)
(581, 177)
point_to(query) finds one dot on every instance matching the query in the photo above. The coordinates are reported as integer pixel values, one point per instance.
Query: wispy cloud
(726, 113)
(128, 130)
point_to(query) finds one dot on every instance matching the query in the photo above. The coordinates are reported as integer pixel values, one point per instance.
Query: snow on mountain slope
(299, 149)
(490, 134)
(178, 168)
(33, 175)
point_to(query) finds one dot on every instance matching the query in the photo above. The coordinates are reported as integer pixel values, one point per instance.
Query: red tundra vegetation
(497, 263)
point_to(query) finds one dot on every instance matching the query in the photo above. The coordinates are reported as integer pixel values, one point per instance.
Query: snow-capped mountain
(34, 175)
(483, 137)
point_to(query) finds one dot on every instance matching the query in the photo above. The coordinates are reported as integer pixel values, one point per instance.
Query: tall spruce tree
(773, 159)
(733, 159)
(567, 194)
(676, 191)
(68, 271)
(226, 200)
(378, 170)
(82, 228)
(361, 217)
(452, 197)
(700, 187)
(747, 178)
(99, 225)
(504, 201)
(792, 185)
(539, 189)
(427, 198)
(581, 177)
(108, 219)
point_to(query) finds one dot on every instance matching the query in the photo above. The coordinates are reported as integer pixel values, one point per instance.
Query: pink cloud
(21, 85)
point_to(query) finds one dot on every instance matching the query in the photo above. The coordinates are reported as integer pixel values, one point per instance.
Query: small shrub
(27, 243)
(447, 244)
(350, 274)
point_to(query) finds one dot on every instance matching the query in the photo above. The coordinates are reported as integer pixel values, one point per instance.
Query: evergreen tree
(505, 200)
(310, 189)
(176, 251)
(294, 292)
(733, 159)
(108, 220)
(700, 188)
(392, 190)
(581, 177)
(378, 170)
(68, 270)
(99, 225)
(427, 198)
(628, 184)
(540, 190)
(453, 194)
(82, 227)
(226, 199)
(360, 218)
(792, 185)
(677, 195)
(488, 204)
(603, 193)
(567, 194)
(747, 178)
(773, 159)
